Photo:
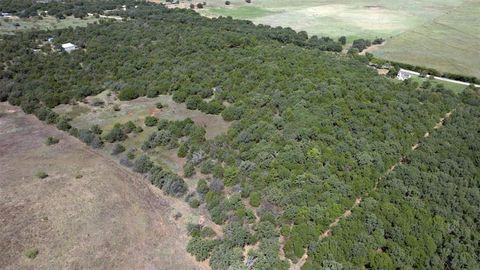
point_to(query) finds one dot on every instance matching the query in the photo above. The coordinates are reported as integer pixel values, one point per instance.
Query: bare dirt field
(89, 213)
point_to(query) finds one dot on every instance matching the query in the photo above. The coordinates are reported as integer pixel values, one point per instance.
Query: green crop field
(442, 34)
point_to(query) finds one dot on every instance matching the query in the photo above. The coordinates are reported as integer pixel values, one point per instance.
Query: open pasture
(87, 213)
(14, 24)
(448, 43)
(443, 34)
(353, 19)
(84, 115)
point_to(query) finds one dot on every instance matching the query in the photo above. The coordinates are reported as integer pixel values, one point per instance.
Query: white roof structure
(68, 47)
(403, 75)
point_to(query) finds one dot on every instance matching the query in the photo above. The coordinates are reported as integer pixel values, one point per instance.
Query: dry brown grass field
(89, 213)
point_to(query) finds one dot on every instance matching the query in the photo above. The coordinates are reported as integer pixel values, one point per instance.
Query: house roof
(68, 45)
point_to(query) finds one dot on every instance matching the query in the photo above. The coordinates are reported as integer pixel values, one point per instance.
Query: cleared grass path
(358, 201)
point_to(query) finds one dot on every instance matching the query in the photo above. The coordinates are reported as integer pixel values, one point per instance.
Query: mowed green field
(443, 34)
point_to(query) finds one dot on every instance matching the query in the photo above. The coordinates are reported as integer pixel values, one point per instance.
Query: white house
(68, 47)
(403, 75)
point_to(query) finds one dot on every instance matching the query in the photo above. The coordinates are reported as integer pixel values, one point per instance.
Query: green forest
(424, 214)
(311, 131)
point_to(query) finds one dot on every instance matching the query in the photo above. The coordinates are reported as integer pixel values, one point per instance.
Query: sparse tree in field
(188, 170)
(63, 124)
(32, 253)
(125, 161)
(163, 124)
(143, 164)
(360, 45)
(199, 5)
(342, 40)
(131, 153)
(182, 150)
(202, 187)
(378, 41)
(151, 121)
(96, 142)
(52, 140)
(41, 174)
(193, 229)
(174, 185)
(95, 129)
(116, 134)
(194, 203)
(129, 127)
(227, 3)
(117, 149)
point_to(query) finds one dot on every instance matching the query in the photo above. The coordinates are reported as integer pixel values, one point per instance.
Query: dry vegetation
(88, 213)
(85, 114)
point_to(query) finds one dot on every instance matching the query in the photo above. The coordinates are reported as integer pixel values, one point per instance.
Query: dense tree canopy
(424, 215)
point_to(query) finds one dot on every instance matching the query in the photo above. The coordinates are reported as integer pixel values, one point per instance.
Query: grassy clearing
(244, 12)
(354, 19)
(448, 43)
(442, 34)
(85, 115)
(14, 24)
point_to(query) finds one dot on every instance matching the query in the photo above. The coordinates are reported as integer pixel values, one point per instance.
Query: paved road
(413, 73)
